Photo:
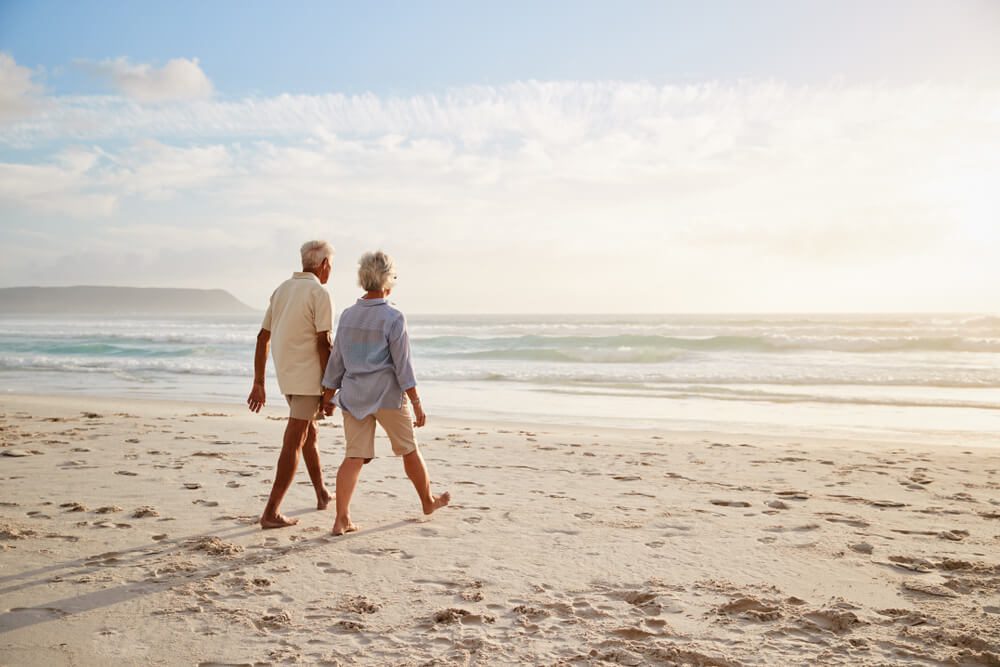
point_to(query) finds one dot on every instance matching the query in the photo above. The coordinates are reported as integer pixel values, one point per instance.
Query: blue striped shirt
(370, 362)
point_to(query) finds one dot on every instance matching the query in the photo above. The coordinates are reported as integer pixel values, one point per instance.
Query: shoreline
(127, 536)
(677, 434)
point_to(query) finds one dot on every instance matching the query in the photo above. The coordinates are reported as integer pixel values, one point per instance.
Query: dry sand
(128, 536)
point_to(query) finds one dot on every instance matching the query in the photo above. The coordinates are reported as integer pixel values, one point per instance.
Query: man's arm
(332, 375)
(323, 346)
(257, 395)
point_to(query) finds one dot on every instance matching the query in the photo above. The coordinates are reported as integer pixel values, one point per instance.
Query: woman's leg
(359, 435)
(398, 425)
(413, 463)
(347, 480)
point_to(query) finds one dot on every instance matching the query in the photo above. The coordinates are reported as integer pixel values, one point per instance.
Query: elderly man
(297, 328)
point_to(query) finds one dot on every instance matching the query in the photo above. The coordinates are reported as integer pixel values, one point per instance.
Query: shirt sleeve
(399, 349)
(333, 376)
(323, 311)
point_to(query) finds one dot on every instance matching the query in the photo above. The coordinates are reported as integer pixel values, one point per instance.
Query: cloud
(19, 95)
(726, 190)
(180, 79)
(68, 185)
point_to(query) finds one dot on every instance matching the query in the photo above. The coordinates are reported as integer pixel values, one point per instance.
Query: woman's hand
(418, 413)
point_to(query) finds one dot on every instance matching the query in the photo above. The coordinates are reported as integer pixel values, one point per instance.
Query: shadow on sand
(21, 617)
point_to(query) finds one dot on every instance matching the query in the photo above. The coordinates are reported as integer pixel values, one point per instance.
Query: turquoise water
(927, 376)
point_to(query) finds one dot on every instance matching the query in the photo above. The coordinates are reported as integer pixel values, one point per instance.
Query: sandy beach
(128, 536)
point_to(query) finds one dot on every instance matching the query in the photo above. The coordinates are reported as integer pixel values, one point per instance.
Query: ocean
(923, 378)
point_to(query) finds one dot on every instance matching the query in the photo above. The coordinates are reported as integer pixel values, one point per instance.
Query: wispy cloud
(532, 185)
(178, 79)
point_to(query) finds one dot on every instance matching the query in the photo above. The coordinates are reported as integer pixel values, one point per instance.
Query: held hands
(256, 399)
(328, 404)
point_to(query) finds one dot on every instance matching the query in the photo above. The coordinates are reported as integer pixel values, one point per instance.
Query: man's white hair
(376, 271)
(314, 252)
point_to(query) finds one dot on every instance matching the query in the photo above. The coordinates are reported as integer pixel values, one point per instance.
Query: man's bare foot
(341, 526)
(278, 521)
(438, 503)
(323, 501)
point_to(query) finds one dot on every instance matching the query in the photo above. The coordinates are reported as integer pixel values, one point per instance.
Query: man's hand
(328, 408)
(418, 413)
(256, 399)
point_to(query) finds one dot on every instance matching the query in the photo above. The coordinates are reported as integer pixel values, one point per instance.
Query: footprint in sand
(794, 495)
(854, 522)
(529, 611)
(359, 604)
(329, 568)
(463, 616)
(16, 453)
(832, 620)
(109, 558)
(730, 503)
(750, 609)
(384, 551)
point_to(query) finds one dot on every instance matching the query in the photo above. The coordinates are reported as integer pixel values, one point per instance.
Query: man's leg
(413, 463)
(310, 454)
(288, 461)
(347, 480)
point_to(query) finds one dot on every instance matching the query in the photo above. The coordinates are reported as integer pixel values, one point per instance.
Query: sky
(564, 157)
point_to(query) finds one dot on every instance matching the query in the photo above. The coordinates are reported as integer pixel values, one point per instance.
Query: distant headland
(93, 300)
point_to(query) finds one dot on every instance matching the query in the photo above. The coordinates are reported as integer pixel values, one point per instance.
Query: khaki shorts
(301, 406)
(397, 424)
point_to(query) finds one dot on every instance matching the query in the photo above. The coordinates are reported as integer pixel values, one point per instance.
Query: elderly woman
(369, 375)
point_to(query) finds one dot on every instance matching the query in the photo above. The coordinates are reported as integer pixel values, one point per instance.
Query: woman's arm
(419, 418)
(399, 349)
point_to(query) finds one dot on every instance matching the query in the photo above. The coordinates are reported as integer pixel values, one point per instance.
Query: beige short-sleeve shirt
(299, 310)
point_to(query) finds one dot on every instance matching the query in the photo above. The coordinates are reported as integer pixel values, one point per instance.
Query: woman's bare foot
(323, 501)
(341, 526)
(438, 503)
(277, 521)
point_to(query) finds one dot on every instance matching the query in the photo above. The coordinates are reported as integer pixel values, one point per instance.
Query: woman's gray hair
(376, 271)
(314, 252)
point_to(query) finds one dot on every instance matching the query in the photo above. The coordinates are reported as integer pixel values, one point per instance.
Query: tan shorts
(397, 424)
(301, 406)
